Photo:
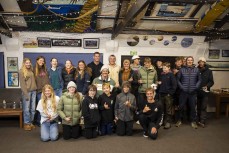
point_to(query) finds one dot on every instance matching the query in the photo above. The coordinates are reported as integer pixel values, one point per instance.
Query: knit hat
(135, 57)
(104, 67)
(202, 59)
(71, 84)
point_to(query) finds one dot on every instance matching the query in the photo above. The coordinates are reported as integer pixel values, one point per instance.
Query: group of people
(98, 99)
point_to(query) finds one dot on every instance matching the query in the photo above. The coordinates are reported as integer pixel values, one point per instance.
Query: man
(202, 98)
(151, 115)
(103, 78)
(148, 76)
(188, 80)
(95, 66)
(114, 70)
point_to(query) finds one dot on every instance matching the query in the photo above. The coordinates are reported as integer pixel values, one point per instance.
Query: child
(47, 106)
(90, 112)
(125, 107)
(69, 109)
(167, 89)
(106, 106)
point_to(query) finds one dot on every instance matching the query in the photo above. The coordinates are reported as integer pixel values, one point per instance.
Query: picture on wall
(12, 64)
(30, 43)
(218, 65)
(91, 43)
(214, 54)
(44, 42)
(13, 79)
(225, 53)
(67, 42)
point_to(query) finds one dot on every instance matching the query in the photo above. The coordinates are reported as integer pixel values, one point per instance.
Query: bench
(12, 112)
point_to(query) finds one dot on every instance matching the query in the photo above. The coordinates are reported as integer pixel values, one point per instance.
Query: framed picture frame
(218, 65)
(225, 53)
(91, 43)
(67, 42)
(13, 79)
(214, 54)
(44, 42)
(30, 43)
(12, 64)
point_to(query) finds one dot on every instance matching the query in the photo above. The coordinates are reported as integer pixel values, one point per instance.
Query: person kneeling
(151, 116)
(125, 107)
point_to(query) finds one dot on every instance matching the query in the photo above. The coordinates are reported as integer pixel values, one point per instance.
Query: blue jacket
(168, 83)
(59, 70)
(189, 79)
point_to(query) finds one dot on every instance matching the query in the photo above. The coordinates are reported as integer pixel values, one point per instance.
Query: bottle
(20, 105)
(14, 105)
(4, 104)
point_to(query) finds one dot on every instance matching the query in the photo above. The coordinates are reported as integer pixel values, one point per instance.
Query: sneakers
(32, 126)
(27, 127)
(178, 124)
(145, 135)
(167, 125)
(194, 125)
(201, 124)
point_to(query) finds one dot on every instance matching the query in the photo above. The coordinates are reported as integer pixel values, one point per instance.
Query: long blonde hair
(44, 99)
(24, 69)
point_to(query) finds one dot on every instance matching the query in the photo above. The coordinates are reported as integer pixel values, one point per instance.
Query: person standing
(90, 113)
(28, 88)
(189, 80)
(168, 85)
(47, 106)
(207, 82)
(151, 115)
(125, 107)
(95, 66)
(114, 70)
(82, 77)
(69, 109)
(55, 77)
(68, 73)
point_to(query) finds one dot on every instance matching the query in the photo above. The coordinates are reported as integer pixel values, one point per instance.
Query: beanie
(71, 84)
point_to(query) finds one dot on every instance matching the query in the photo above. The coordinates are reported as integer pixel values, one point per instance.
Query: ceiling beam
(222, 22)
(119, 7)
(196, 10)
(186, 1)
(131, 14)
(150, 8)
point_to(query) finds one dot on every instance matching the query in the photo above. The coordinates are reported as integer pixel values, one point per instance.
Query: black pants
(124, 128)
(147, 125)
(167, 103)
(91, 132)
(202, 101)
(71, 131)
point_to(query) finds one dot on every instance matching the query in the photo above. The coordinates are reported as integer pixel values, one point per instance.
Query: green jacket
(69, 106)
(148, 76)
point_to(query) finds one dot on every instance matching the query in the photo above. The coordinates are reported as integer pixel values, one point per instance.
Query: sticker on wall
(186, 42)
(166, 42)
(174, 38)
(145, 38)
(133, 41)
(151, 42)
(160, 38)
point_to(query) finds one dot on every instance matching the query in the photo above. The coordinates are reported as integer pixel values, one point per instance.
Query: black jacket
(107, 115)
(206, 77)
(95, 69)
(67, 77)
(168, 83)
(90, 112)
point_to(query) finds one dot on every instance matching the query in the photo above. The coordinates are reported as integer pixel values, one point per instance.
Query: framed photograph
(214, 54)
(13, 79)
(12, 64)
(91, 43)
(218, 65)
(44, 42)
(67, 42)
(225, 53)
(30, 43)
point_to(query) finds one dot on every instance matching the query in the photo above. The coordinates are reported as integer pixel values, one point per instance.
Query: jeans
(167, 103)
(29, 107)
(38, 115)
(106, 128)
(49, 131)
(58, 92)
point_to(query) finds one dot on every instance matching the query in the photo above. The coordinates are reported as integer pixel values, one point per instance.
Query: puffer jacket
(122, 112)
(148, 76)
(67, 77)
(69, 106)
(189, 79)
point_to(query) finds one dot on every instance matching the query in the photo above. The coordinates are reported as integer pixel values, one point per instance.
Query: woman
(68, 73)
(82, 77)
(47, 107)
(28, 87)
(41, 75)
(69, 109)
(90, 112)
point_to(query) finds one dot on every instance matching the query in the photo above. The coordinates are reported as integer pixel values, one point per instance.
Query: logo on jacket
(93, 106)
(155, 109)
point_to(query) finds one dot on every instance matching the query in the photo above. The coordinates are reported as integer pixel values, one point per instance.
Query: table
(12, 112)
(218, 96)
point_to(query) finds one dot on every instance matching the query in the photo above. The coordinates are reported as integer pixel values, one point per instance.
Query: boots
(27, 127)
(32, 126)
